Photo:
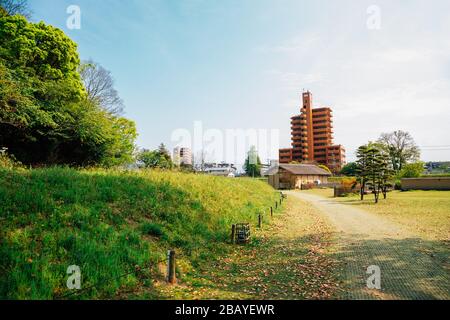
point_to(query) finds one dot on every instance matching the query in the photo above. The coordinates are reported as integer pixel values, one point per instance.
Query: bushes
(412, 170)
(8, 161)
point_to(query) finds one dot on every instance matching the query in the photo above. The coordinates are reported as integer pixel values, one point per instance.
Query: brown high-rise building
(312, 138)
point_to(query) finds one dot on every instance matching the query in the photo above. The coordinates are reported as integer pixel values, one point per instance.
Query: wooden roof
(300, 169)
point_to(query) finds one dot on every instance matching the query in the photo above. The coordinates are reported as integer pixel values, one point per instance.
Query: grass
(289, 259)
(426, 213)
(116, 226)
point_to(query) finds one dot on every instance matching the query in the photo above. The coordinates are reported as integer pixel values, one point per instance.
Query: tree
(373, 170)
(412, 170)
(158, 158)
(252, 166)
(350, 169)
(200, 160)
(99, 85)
(13, 7)
(362, 169)
(45, 116)
(401, 148)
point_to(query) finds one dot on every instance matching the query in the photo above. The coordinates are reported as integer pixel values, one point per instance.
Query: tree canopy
(252, 166)
(401, 148)
(159, 158)
(45, 114)
(350, 169)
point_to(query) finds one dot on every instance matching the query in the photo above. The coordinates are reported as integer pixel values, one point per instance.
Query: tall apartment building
(182, 156)
(312, 138)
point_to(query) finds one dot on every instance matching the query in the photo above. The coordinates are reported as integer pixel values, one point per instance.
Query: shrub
(8, 161)
(412, 170)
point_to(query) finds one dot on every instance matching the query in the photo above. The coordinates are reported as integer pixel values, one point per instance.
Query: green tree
(373, 170)
(45, 114)
(362, 168)
(158, 158)
(350, 169)
(252, 166)
(412, 170)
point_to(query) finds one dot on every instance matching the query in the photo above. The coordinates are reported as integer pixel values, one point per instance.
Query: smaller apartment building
(182, 156)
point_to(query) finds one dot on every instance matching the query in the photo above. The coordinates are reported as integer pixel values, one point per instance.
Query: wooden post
(271, 212)
(276, 205)
(233, 234)
(260, 221)
(280, 202)
(171, 276)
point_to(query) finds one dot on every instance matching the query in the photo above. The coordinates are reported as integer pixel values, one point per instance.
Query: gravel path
(409, 269)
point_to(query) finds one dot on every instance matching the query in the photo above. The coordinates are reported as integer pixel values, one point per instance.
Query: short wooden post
(233, 234)
(271, 212)
(171, 276)
(276, 205)
(260, 221)
(280, 202)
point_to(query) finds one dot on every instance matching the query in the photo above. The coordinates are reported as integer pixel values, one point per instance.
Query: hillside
(112, 223)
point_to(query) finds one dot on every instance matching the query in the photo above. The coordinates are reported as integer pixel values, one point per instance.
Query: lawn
(289, 259)
(116, 226)
(426, 213)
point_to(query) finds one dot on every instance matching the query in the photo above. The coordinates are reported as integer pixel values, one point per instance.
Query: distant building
(293, 176)
(312, 138)
(182, 156)
(265, 168)
(220, 169)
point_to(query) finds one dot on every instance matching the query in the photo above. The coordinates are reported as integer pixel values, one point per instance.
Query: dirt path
(409, 269)
(288, 259)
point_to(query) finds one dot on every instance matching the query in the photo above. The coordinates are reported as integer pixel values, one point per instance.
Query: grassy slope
(424, 212)
(290, 259)
(110, 223)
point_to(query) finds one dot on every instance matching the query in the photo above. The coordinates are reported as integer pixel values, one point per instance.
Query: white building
(220, 169)
(182, 156)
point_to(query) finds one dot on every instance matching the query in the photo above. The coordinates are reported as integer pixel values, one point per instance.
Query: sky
(243, 64)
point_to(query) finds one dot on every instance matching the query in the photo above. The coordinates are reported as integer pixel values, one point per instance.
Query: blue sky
(243, 64)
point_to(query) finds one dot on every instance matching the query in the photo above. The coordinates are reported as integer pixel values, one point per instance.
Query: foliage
(350, 169)
(112, 222)
(401, 148)
(159, 158)
(252, 166)
(324, 167)
(45, 116)
(412, 170)
(373, 170)
(8, 161)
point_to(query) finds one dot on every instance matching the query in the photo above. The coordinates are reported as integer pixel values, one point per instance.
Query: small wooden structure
(242, 233)
(293, 176)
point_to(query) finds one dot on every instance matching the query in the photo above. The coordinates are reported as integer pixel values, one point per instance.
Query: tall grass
(112, 222)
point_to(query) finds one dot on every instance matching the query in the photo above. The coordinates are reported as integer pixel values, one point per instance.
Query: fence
(432, 183)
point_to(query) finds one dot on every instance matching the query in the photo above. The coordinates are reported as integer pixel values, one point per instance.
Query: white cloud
(376, 81)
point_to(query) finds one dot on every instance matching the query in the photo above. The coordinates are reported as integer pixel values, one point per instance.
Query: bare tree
(99, 85)
(13, 7)
(200, 160)
(401, 148)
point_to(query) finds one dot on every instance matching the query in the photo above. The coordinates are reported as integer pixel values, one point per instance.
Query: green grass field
(424, 212)
(116, 226)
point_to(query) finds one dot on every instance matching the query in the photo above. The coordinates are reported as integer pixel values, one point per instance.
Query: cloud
(376, 81)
